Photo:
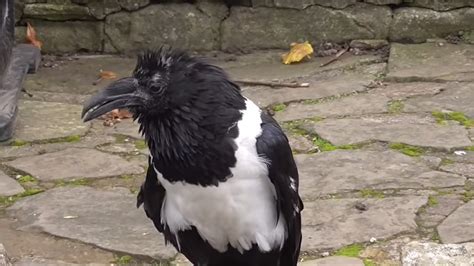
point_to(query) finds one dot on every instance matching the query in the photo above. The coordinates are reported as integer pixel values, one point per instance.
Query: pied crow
(222, 184)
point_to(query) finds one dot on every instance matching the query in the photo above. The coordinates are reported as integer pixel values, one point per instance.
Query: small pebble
(373, 240)
(460, 153)
(361, 206)
(325, 254)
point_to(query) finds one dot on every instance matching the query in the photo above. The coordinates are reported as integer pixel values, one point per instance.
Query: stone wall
(125, 26)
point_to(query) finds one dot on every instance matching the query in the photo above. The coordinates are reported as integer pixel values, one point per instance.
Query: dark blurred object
(6, 35)
(15, 63)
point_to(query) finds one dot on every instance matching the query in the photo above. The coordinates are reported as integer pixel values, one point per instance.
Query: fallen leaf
(115, 116)
(107, 75)
(298, 52)
(31, 36)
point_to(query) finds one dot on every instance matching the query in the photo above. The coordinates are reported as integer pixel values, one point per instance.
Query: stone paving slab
(431, 62)
(77, 76)
(413, 129)
(422, 253)
(104, 218)
(4, 260)
(47, 120)
(374, 102)
(274, 70)
(460, 169)
(387, 252)
(60, 97)
(353, 105)
(89, 141)
(459, 226)
(321, 86)
(300, 144)
(346, 170)
(466, 157)
(75, 163)
(336, 222)
(119, 148)
(401, 91)
(356, 107)
(439, 209)
(9, 186)
(48, 262)
(333, 261)
(126, 127)
(455, 97)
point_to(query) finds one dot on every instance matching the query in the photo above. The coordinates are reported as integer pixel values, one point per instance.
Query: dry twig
(336, 57)
(272, 84)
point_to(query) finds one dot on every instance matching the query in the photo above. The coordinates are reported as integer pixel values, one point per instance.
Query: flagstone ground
(385, 151)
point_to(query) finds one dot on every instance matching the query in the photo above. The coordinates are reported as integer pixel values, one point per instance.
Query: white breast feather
(240, 211)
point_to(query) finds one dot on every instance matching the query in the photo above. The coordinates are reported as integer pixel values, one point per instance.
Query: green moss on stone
(18, 143)
(350, 251)
(395, 107)
(5, 201)
(432, 201)
(121, 138)
(323, 145)
(26, 179)
(368, 262)
(279, 107)
(407, 149)
(442, 117)
(73, 138)
(73, 182)
(468, 196)
(435, 237)
(446, 161)
(371, 193)
(140, 144)
(124, 260)
(349, 146)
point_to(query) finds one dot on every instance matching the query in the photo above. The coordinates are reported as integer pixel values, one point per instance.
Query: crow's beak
(119, 94)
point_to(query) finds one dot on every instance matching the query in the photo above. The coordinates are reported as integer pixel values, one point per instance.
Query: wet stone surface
(431, 62)
(9, 186)
(417, 130)
(458, 227)
(93, 216)
(419, 253)
(337, 222)
(47, 120)
(370, 201)
(357, 170)
(75, 163)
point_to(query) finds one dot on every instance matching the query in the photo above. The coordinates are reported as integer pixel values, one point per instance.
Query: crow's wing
(151, 195)
(273, 145)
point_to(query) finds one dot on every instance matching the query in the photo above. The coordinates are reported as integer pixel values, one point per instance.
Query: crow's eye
(156, 83)
(156, 88)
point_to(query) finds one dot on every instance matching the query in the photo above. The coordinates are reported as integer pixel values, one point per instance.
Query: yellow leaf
(297, 53)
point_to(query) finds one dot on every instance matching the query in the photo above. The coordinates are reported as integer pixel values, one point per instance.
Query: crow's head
(164, 82)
